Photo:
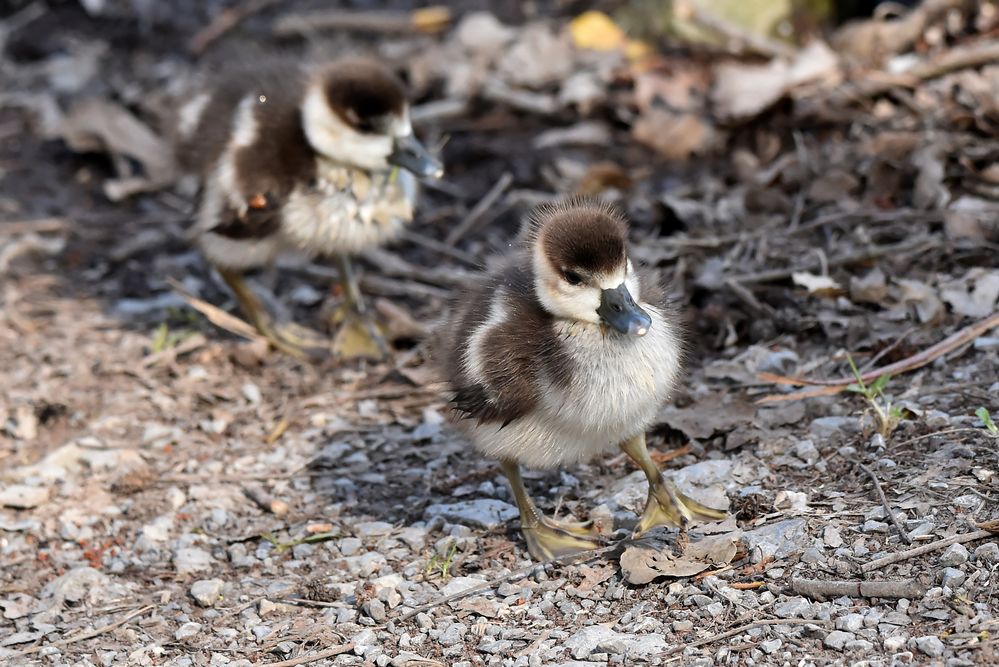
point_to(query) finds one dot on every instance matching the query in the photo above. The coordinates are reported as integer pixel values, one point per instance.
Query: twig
(438, 110)
(752, 43)
(898, 557)
(392, 265)
(522, 100)
(426, 20)
(742, 628)
(442, 248)
(89, 634)
(38, 226)
(216, 315)
(473, 217)
(372, 284)
(225, 21)
(910, 363)
(887, 350)
(305, 659)
(584, 556)
(186, 346)
(884, 503)
(946, 431)
(816, 589)
(917, 245)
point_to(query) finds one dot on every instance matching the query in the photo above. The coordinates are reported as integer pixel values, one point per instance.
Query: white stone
(487, 513)
(207, 592)
(187, 631)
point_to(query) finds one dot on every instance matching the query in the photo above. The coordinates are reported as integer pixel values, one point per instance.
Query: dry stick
(581, 557)
(742, 628)
(442, 248)
(926, 548)
(427, 20)
(225, 21)
(392, 265)
(753, 43)
(89, 634)
(216, 315)
(842, 260)
(816, 589)
(910, 363)
(963, 57)
(38, 226)
(305, 659)
(479, 210)
(946, 431)
(884, 503)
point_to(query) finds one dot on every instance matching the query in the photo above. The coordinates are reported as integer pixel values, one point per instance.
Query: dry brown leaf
(743, 90)
(592, 576)
(642, 563)
(871, 288)
(98, 125)
(817, 285)
(672, 135)
(974, 295)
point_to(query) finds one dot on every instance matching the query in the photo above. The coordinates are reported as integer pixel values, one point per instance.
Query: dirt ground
(174, 494)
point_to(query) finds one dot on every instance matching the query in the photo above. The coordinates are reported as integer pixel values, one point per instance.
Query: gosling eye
(572, 277)
(365, 126)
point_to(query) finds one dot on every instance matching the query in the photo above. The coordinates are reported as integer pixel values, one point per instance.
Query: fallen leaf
(641, 563)
(592, 576)
(97, 125)
(817, 285)
(672, 135)
(705, 418)
(871, 288)
(922, 297)
(595, 30)
(743, 90)
(974, 295)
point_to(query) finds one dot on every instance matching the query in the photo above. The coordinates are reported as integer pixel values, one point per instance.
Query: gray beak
(410, 154)
(620, 312)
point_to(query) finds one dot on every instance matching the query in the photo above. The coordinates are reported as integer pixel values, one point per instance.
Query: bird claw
(297, 341)
(358, 337)
(549, 538)
(667, 506)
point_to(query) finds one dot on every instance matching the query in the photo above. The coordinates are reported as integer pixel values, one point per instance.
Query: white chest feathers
(348, 210)
(617, 389)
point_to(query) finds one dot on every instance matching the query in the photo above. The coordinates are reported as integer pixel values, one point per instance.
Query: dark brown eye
(573, 278)
(365, 126)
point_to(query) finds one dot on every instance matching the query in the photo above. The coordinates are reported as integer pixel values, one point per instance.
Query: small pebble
(187, 631)
(930, 645)
(207, 591)
(837, 639)
(952, 578)
(376, 610)
(955, 555)
(987, 553)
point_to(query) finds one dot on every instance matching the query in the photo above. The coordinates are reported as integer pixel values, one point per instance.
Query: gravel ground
(173, 495)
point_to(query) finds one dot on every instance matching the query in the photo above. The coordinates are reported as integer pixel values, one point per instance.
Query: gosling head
(355, 113)
(581, 267)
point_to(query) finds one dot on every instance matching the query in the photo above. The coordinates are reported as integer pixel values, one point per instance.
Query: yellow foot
(549, 538)
(358, 337)
(667, 506)
(295, 340)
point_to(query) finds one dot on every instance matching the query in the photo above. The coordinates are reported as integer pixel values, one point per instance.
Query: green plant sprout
(887, 414)
(442, 564)
(983, 414)
(165, 339)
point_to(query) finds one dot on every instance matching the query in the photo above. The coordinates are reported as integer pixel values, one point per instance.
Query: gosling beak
(620, 312)
(409, 153)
